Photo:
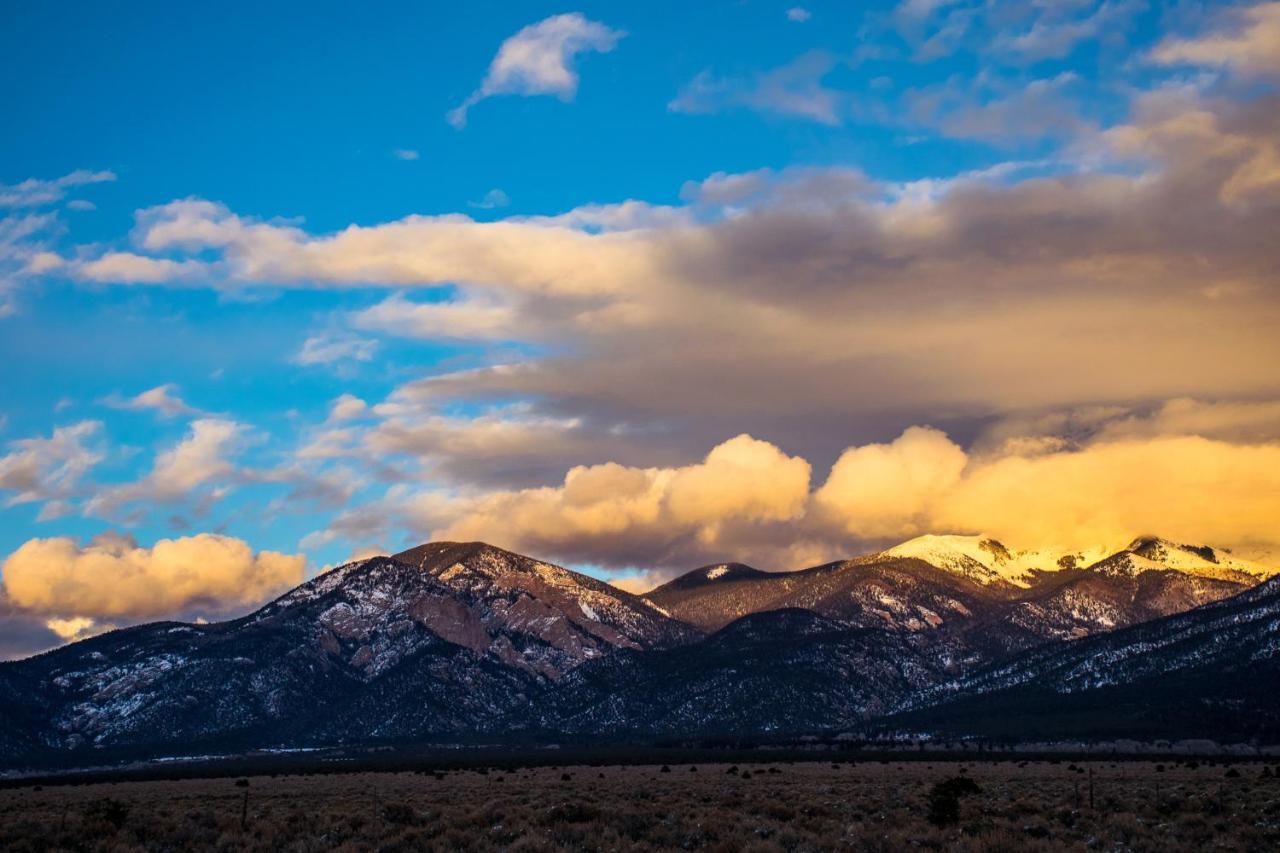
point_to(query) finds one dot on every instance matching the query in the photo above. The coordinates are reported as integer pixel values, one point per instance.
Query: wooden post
(1090, 786)
(244, 811)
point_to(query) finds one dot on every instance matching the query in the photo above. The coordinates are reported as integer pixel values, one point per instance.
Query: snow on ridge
(986, 560)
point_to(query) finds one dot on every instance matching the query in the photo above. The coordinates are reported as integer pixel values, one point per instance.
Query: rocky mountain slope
(780, 671)
(975, 587)
(443, 639)
(1212, 671)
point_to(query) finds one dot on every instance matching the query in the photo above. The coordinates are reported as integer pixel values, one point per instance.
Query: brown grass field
(1026, 806)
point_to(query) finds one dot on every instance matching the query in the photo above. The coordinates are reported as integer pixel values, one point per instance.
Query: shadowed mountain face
(780, 671)
(463, 640)
(1210, 672)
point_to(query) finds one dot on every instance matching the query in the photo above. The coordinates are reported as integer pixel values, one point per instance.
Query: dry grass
(766, 807)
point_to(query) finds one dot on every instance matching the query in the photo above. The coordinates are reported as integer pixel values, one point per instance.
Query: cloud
(1005, 113)
(795, 89)
(49, 469)
(179, 473)
(162, 399)
(888, 490)
(22, 635)
(631, 513)
(327, 349)
(112, 578)
(346, 407)
(749, 500)
(24, 239)
(405, 154)
(492, 199)
(539, 60)
(824, 307)
(798, 14)
(1056, 29)
(35, 192)
(1250, 43)
(535, 256)
(474, 318)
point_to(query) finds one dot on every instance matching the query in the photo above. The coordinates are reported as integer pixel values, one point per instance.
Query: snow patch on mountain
(986, 560)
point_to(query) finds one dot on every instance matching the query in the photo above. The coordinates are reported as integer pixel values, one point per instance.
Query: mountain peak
(987, 560)
(714, 573)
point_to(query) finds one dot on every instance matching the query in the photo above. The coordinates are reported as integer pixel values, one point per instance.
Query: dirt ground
(1153, 805)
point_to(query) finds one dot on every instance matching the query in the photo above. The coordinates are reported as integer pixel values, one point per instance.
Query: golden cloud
(749, 500)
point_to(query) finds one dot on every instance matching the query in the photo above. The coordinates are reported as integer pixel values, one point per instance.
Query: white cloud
(798, 14)
(492, 199)
(47, 469)
(795, 89)
(347, 407)
(476, 318)
(539, 60)
(162, 399)
(405, 154)
(327, 349)
(35, 192)
(179, 473)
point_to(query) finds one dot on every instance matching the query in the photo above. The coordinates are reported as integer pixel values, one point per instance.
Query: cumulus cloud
(798, 14)
(539, 60)
(179, 473)
(163, 399)
(890, 490)
(113, 579)
(1249, 42)
(627, 515)
(749, 500)
(346, 407)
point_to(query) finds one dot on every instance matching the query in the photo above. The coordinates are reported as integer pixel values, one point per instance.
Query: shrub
(944, 799)
(400, 814)
(109, 811)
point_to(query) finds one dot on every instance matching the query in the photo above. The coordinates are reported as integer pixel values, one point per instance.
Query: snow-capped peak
(986, 560)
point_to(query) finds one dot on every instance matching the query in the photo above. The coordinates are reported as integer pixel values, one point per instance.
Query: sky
(630, 287)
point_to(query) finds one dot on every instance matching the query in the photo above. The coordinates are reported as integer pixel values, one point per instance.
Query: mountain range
(465, 641)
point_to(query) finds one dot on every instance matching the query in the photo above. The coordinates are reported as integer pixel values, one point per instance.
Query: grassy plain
(1024, 806)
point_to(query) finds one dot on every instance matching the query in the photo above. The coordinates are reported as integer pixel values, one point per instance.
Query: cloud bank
(112, 580)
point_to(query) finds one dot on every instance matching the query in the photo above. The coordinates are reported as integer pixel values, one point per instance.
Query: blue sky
(829, 203)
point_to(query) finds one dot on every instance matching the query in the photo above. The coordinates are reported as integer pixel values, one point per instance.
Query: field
(888, 806)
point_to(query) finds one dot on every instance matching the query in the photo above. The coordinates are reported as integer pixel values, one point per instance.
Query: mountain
(781, 671)
(463, 641)
(444, 639)
(1209, 672)
(981, 598)
(986, 560)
